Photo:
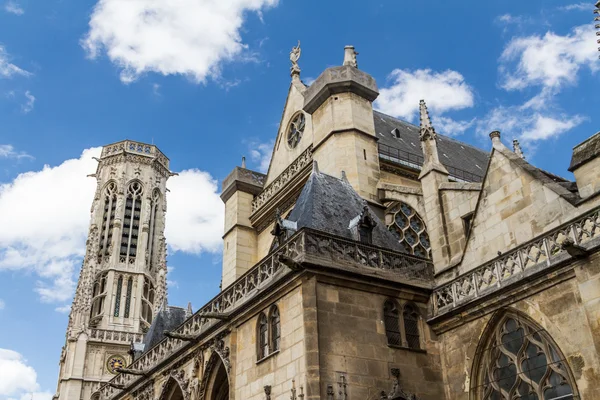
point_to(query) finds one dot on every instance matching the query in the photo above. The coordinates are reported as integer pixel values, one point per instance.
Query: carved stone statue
(294, 57)
(194, 387)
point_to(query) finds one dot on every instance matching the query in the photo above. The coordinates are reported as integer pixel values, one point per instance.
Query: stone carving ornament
(294, 57)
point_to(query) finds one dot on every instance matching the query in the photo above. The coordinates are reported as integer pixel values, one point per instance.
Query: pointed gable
(517, 203)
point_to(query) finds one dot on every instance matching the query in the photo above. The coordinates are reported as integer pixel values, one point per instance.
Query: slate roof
(457, 157)
(328, 204)
(167, 318)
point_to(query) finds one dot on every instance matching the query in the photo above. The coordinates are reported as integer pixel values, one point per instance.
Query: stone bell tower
(123, 278)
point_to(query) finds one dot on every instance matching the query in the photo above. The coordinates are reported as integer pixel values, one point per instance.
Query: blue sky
(206, 81)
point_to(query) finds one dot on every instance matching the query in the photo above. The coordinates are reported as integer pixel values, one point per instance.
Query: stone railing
(104, 335)
(139, 148)
(283, 179)
(514, 265)
(303, 245)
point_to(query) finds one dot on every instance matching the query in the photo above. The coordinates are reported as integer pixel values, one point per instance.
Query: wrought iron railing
(515, 264)
(283, 179)
(305, 245)
(416, 161)
(116, 336)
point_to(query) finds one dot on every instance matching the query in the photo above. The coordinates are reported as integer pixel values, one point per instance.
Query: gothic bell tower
(123, 278)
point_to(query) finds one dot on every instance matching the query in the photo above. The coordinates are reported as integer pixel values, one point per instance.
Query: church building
(374, 260)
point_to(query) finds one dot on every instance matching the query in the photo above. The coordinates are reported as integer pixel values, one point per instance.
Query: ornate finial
(294, 57)
(517, 149)
(495, 136)
(293, 394)
(189, 312)
(350, 56)
(427, 132)
(243, 162)
(315, 166)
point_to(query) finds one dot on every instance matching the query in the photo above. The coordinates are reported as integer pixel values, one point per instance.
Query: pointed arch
(109, 199)
(391, 322)
(411, 320)
(131, 221)
(215, 381)
(262, 336)
(517, 358)
(274, 328)
(172, 390)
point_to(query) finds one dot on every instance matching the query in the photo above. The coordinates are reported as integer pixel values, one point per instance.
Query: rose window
(408, 227)
(296, 130)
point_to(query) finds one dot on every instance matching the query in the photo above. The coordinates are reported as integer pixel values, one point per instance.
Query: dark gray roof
(328, 204)
(167, 318)
(585, 151)
(457, 157)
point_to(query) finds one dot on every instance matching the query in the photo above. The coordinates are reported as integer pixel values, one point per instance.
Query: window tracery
(410, 230)
(118, 296)
(268, 333)
(99, 295)
(296, 130)
(108, 218)
(131, 223)
(518, 359)
(402, 325)
(147, 301)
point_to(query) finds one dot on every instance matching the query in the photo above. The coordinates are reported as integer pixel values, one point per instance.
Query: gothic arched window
(275, 325)
(118, 296)
(128, 297)
(108, 218)
(154, 203)
(391, 320)
(262, 334)
(99, 295)
(131, 223)
(410, 230)
(410, 318)
(518, 359)
(147, 301)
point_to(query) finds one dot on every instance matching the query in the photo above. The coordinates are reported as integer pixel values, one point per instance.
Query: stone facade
(357, 270)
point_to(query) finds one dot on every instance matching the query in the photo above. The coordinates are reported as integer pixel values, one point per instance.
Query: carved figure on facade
(294, 57)
(194, 387)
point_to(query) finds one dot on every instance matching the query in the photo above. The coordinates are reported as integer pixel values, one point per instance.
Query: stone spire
(350, 56)
(427, 132)
(517, 149)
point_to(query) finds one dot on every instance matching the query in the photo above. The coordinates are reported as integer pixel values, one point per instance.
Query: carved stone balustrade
(103, 335)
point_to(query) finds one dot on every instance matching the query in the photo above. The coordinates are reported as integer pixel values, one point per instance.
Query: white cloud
(449, 126)
(18, 378)
(14, 8)
(187, 37)
(28, 106)
(443, 91)
(509, 19)
(63, 309)
(577, 7)
(49, 212)
(260, 155)
(550, 61)
(195, 213)
(8, 151)
(7, 69)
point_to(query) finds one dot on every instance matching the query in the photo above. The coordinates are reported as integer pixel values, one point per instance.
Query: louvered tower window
(410, 317)
(410, 230)
(155, 202)
(263, 336)
(118, 296)
(392, 323)
(517, 359)
(131, 223)
(128, 297)
(147, 301)
(275, 325)
(108, 218)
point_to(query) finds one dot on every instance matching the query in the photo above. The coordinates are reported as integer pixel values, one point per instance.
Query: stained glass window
(118, 296)
(296, 130)
(520, 360)
(275, 325)
(392, 323)
(410, 230)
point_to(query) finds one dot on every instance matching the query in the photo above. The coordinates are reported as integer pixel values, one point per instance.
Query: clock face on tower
(295, 130)
(114, 362)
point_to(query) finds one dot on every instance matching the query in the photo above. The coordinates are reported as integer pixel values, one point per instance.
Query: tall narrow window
(152, 223)
(98, 295)
(108, 217)
(392, 323)
(118, 296)
(147, 301)
(410, 316)
(275, 325)
(263, 336)
(517, 359)
(128, 297)
(131, 223)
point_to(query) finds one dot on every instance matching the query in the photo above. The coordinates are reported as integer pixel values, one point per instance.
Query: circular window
(115, 362)
(409, 229)
(296, 130)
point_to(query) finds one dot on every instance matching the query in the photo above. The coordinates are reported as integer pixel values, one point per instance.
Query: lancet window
(108, 218)
(268, 333)
(154, 207)
(518, 359)
(99, 295)
(128, 297)
(131, 223)
(118, 296)
(147, 301)
(410, 230)
(402, 325)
